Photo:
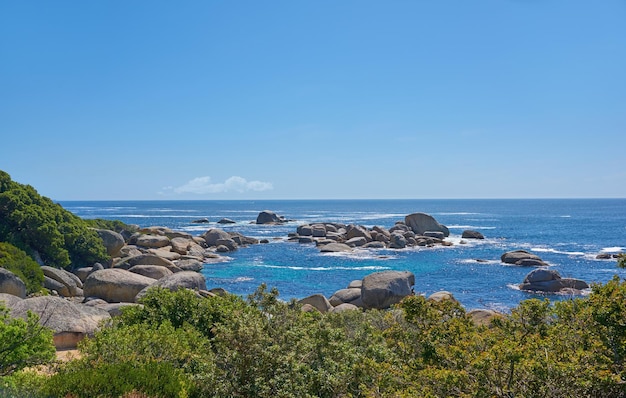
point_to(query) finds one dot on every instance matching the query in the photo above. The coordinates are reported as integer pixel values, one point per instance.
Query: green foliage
(23, 384)
(100, 379)
(35, 224)
(18, 262)
(621, 260)
(227, 347)
(23, 342)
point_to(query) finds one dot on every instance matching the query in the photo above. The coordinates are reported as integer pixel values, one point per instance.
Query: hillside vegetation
(44, 230)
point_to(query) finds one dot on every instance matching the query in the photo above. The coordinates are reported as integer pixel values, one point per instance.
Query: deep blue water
(568, 234)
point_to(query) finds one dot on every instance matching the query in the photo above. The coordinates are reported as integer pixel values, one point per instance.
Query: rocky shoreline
(83, 300)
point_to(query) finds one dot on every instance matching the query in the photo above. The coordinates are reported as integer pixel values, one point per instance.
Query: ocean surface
(568, 234)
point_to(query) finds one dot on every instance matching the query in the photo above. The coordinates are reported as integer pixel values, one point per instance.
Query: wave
(479, 261)
(298, 268)
(550, 250)
(457, 213)
(614, 249)
(469, 227)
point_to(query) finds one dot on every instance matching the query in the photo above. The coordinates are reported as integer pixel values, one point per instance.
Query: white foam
(614, 249)
(468, 227)
(550, 250)
(243, 279)
(298, 268)
(459, 213)
(479, 261)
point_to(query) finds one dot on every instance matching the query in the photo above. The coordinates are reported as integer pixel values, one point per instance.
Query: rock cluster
(379, 290)
(155, 256)
(417, 229)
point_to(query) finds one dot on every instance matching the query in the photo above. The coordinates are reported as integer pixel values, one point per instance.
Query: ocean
(566, 233)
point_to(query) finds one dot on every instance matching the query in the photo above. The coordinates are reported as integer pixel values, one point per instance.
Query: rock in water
(269, 217)
(381, 290)
(421, 222)
(523, 258)
(470, 234)
(550, 281)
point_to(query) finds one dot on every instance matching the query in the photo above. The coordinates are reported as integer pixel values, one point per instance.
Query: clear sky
(314, 99)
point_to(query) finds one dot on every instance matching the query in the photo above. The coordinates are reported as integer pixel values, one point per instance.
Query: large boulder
(442, 296)
(213, 235)
(70, 322)
(350, 296)
(471, 234)
(8, 299)
(269, 217)
(181, 280)
(112, 241)
(152, 241)
(151, 271)
(422, 222)
(67, 279)
(335, 248)
(483, 317)
(318, 301)
(381, 290)
(550, 281)
(523, 258)
(115, 285)
(147, 259)
(11, 284)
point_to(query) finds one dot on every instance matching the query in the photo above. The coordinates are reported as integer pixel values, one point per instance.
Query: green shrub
(23, 384)
(18, 262)
(41, 227)
(94, 380)
(23, 343)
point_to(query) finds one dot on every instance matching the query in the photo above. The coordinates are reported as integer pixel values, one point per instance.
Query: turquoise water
(568, 234)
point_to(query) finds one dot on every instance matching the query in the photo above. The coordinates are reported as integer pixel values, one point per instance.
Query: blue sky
(314, 99)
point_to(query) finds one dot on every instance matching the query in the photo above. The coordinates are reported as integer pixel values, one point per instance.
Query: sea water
(566, 233)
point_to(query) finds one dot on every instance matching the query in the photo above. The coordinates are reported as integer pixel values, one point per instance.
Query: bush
(41, 227)
(18, 262)
(225, 347)
(23, 342)
(100, 379)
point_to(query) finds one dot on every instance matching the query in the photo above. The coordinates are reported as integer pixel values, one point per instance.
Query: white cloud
(203, 185)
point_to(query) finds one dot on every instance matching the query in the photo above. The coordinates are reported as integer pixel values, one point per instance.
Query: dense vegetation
(18, 262)
(180, 345)
(42, 228)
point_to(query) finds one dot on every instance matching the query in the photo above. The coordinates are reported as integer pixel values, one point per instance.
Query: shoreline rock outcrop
(550, 281)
